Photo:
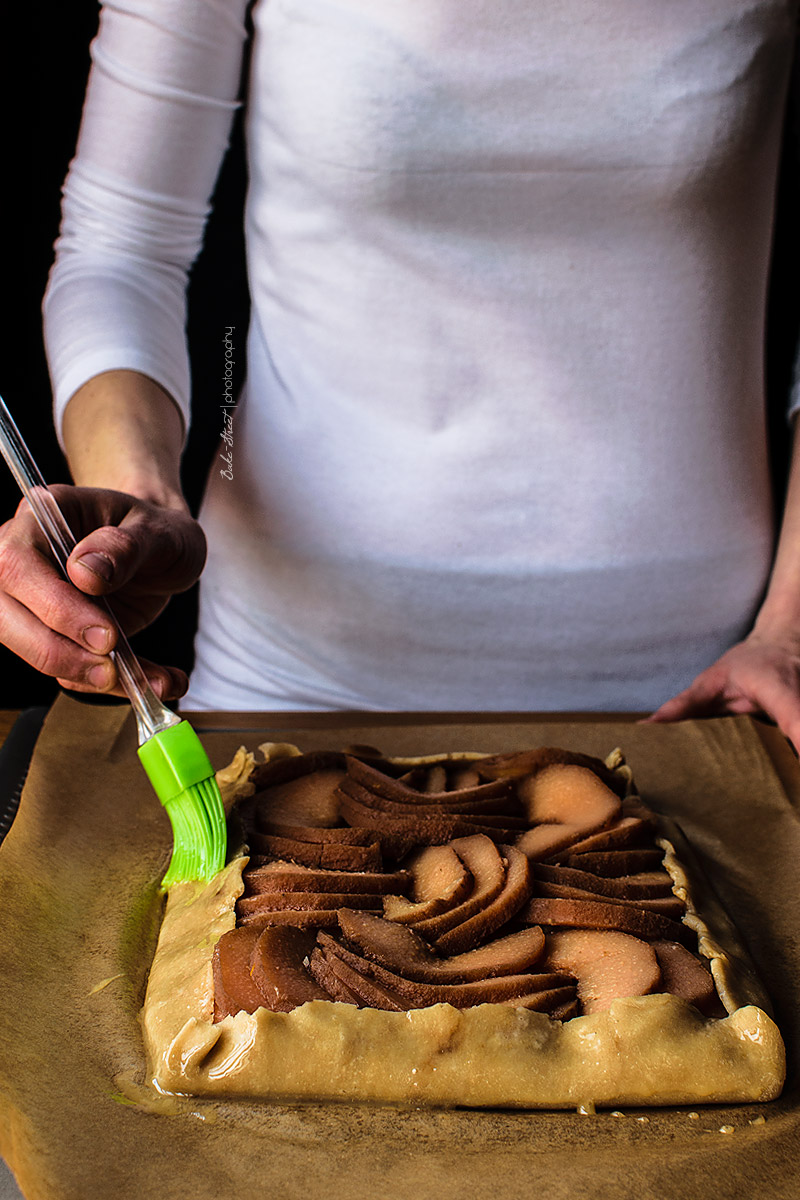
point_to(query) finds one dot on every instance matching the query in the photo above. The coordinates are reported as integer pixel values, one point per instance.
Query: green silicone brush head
(183, 779)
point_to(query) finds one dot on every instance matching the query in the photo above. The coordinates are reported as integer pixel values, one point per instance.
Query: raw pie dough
(654, 1049)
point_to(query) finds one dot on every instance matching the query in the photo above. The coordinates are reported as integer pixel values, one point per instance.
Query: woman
(502, 441)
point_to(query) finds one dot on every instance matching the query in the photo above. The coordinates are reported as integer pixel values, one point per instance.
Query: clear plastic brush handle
(151, 715)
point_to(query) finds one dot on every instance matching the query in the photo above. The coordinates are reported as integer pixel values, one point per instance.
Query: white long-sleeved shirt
(502, 443)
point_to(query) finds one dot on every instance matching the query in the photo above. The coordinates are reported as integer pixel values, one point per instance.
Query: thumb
(163, 552)
(104, 560)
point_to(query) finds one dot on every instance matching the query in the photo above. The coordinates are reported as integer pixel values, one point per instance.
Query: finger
(105, 560)
(177, 684)
(83, 510)
(778, 696)
(168, 683)
(104, 568)
(50, 652)
(160, 552)
(29, 577)
(712, 694)
(702, 698)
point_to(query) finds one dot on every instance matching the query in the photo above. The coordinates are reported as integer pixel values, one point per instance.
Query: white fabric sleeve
(156, 123)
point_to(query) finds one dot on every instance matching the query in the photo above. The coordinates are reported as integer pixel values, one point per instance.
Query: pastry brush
(169, 749)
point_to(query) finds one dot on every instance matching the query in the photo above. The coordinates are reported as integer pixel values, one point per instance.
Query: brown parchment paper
(80, 911)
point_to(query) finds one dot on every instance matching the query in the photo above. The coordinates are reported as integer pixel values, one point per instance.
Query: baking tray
(15, 757)
(78, 1123)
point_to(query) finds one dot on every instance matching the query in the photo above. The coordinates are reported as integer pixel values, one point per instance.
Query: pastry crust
(645, 1050)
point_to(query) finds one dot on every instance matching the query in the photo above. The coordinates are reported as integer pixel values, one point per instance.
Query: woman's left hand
(758, 675)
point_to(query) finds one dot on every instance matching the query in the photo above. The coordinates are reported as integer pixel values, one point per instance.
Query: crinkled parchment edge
(653, 1050)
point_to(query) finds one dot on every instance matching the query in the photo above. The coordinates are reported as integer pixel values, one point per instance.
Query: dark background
(54, 39)
(61, 33)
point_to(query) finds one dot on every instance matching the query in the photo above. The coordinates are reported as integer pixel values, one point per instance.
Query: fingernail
(98, 564)
(97, 638)
(100, 677)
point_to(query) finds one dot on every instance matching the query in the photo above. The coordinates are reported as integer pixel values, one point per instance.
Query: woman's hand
(762, 673)
(132, 551)
(759, 675)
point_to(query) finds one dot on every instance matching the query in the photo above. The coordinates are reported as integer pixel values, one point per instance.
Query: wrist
(145, 487)
(778, 620)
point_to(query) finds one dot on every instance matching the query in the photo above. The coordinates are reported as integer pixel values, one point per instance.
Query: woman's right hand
(135, 553)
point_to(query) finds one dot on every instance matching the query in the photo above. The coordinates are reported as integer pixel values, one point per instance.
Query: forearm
(121, 430)
(780, 611)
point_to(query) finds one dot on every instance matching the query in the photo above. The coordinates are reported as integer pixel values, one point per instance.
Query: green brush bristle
(198, 827)
(183, 778)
